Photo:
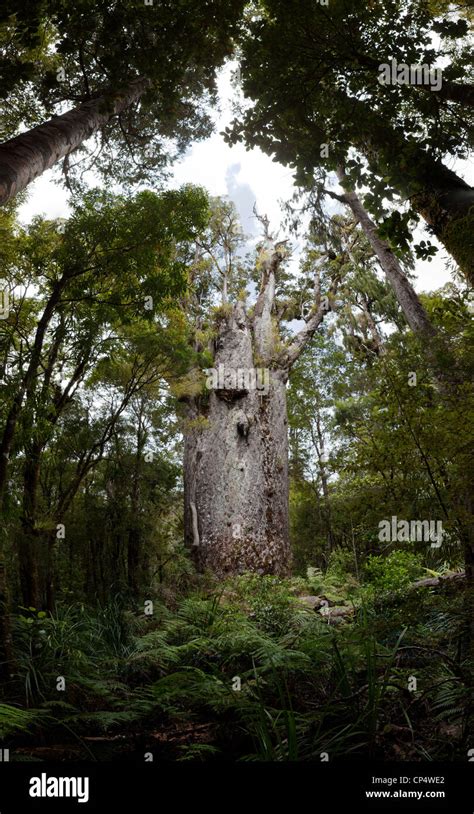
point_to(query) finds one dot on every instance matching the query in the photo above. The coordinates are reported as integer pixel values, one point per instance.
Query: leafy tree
(380, 418)
(315, 103)
(135, 76)
(235, 460)
(89, 287)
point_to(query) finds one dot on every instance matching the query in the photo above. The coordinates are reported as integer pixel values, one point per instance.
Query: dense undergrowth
(248, 671)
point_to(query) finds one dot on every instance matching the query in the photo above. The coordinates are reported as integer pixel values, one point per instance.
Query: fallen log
(434, 582)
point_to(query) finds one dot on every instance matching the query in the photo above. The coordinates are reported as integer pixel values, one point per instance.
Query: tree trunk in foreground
(236, 441)
(27, 156)
(236, 468)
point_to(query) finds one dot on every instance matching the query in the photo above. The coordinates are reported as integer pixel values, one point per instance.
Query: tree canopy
(315, 102)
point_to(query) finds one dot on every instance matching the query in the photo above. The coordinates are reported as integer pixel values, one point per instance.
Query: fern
(13, 720)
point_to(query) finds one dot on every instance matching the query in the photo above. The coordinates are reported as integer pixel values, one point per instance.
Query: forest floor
(258, 669)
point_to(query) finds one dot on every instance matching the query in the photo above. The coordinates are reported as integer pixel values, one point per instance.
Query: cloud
(246, 176)
(243, 197)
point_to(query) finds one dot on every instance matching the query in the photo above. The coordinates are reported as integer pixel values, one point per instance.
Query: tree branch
(322, 305)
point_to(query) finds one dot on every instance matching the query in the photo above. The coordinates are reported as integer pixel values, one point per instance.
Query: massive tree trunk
(25, 157)
(236, 465)
(236, 439)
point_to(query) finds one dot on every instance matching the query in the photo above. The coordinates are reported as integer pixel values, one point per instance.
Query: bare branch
(264, 220)
(269, 260)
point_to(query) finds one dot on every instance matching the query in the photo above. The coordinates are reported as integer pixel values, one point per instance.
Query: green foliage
(318, 86)
(338, 580)
(395, 572)
(97, 316)
(378, 424)
(269, 603)
(14, 720)
(73, 642)
(303, 687)
(100, 49)
(116, 311)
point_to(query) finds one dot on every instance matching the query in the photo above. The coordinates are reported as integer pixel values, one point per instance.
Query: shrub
(269, 600)
(393, 573)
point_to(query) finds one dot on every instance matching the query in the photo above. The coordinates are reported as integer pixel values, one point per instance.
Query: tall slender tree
(135, 75)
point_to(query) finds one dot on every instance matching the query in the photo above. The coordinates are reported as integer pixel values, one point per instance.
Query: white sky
(246, 176)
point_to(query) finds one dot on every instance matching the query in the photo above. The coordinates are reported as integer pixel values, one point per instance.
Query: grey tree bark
(406, 295)
(435, 346)
(236, 441)
(27, 156)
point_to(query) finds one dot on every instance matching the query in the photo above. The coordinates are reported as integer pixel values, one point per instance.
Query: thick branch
(453, 92)
(270, 258)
